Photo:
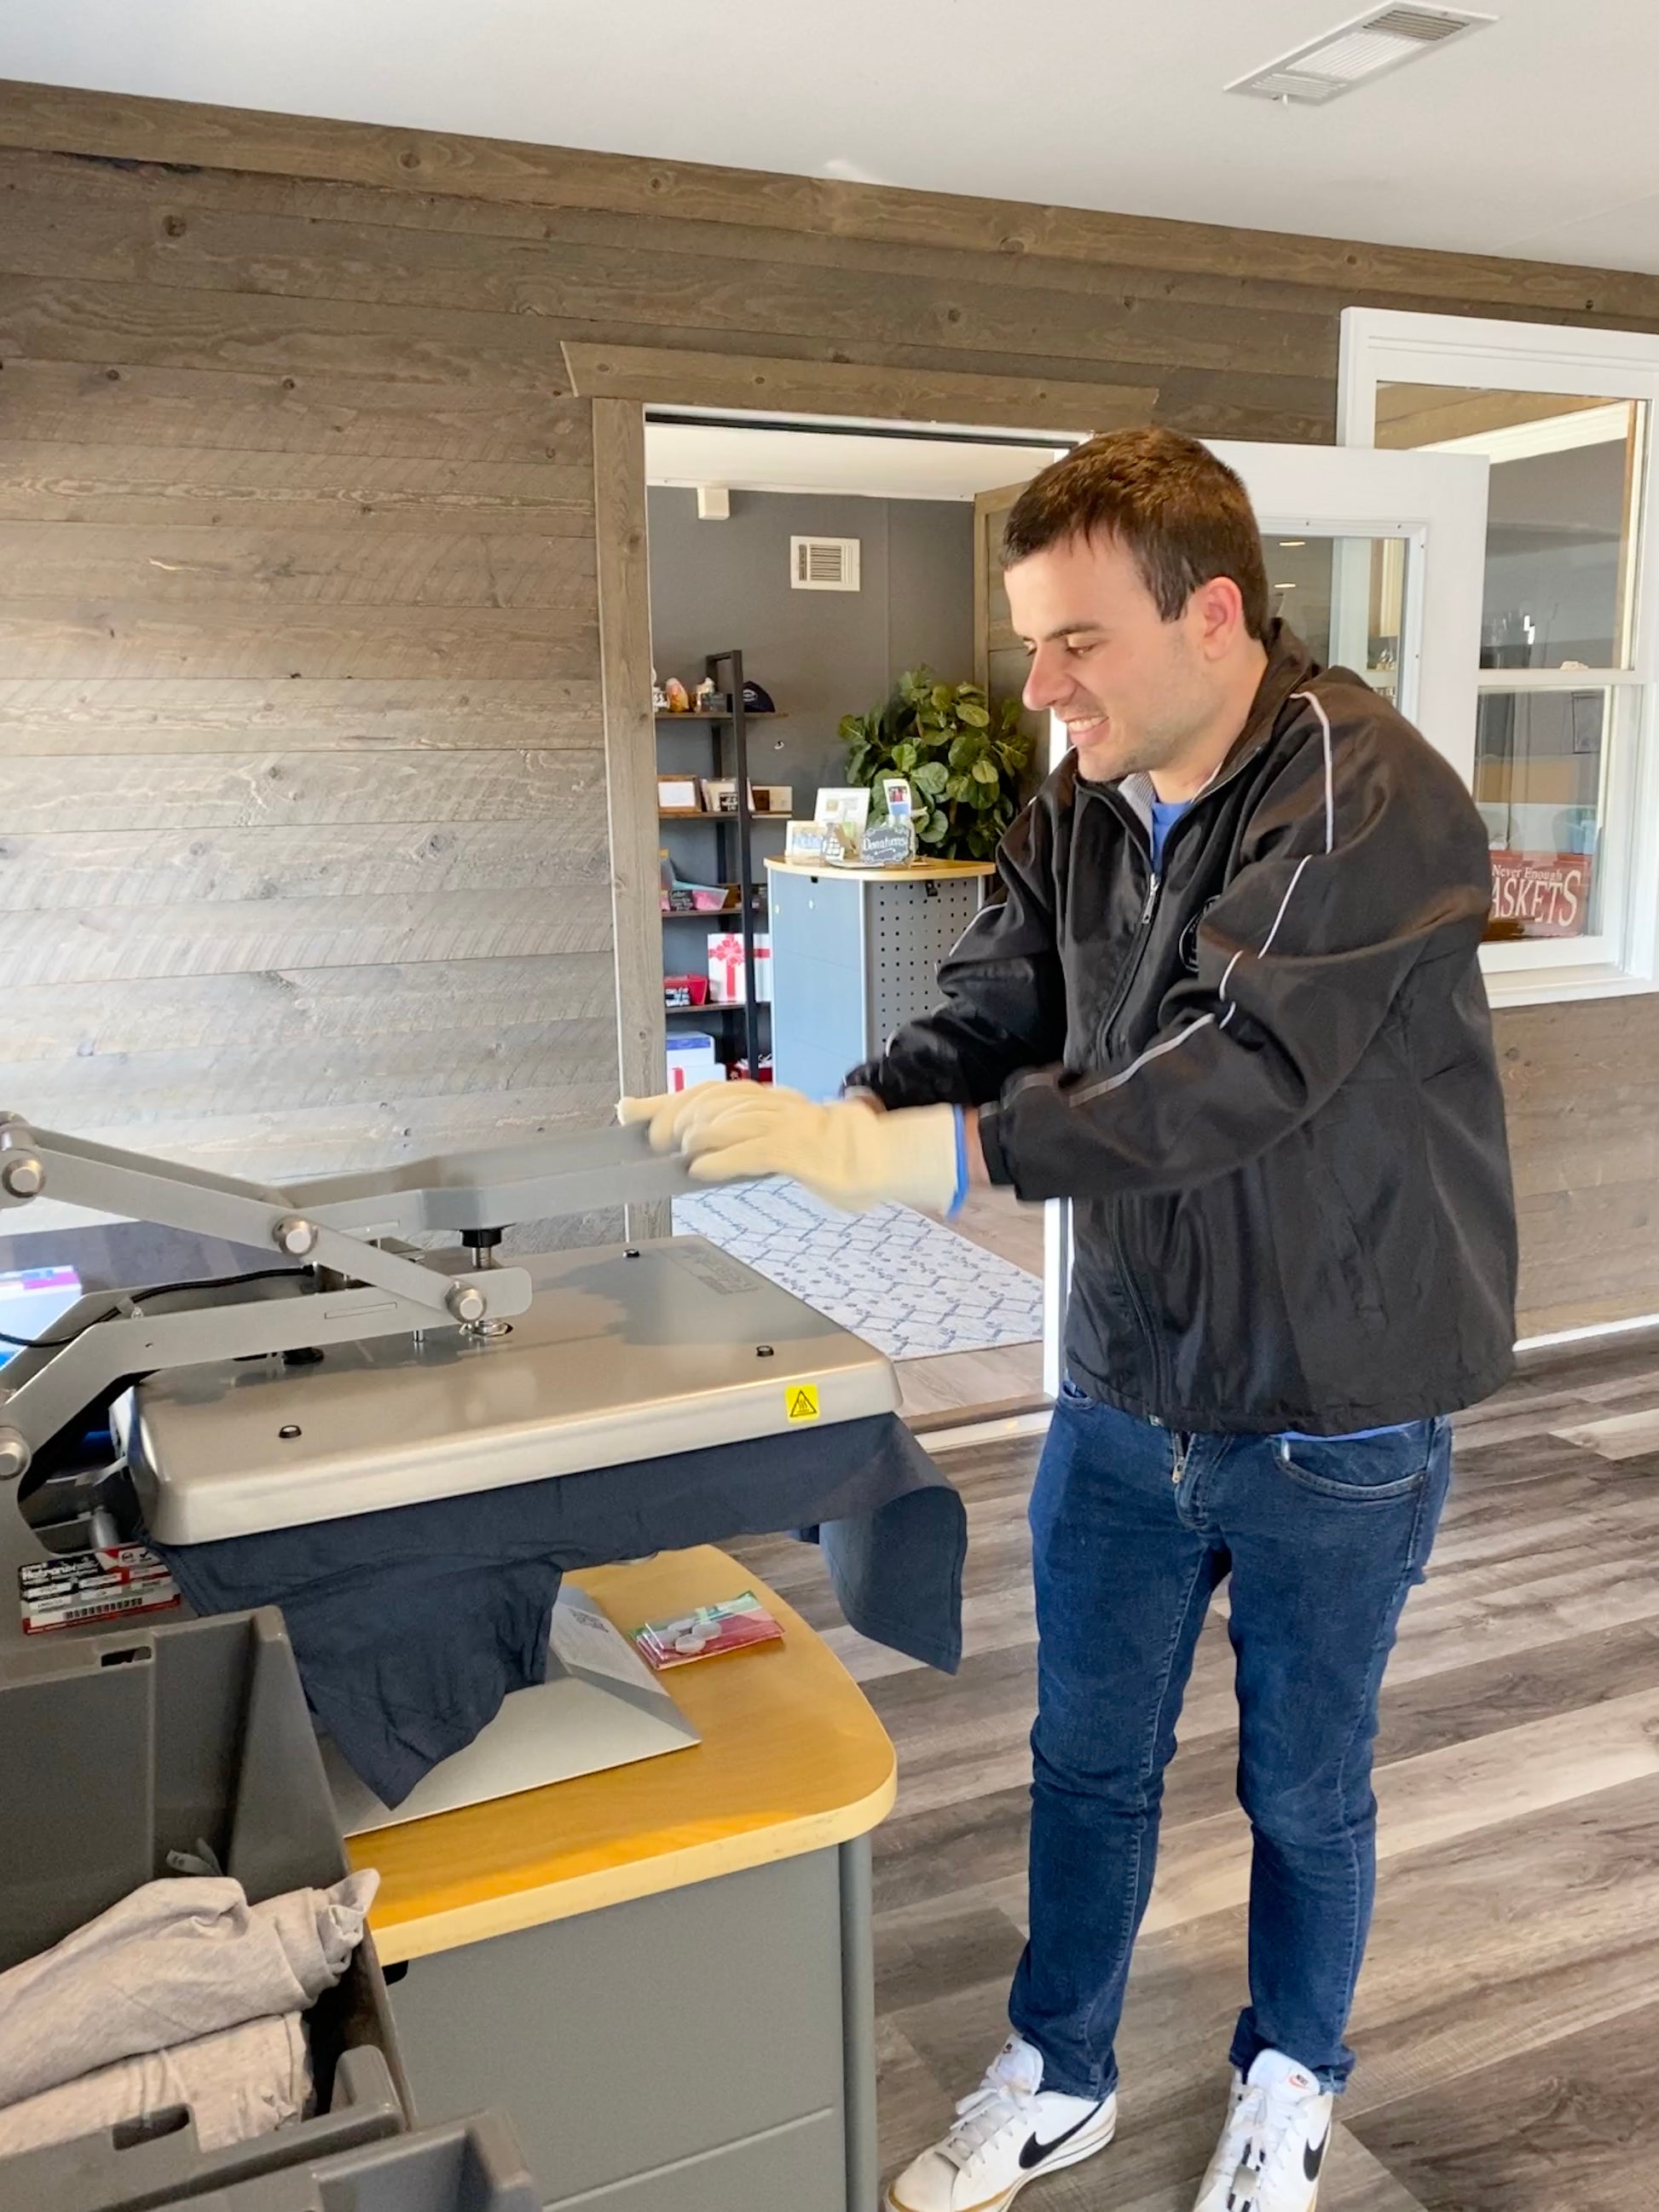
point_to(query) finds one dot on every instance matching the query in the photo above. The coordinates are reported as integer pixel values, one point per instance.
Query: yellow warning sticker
(801, 1401)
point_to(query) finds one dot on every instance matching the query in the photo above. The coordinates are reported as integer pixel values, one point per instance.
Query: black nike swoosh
(1312, 2159)
(1034, 2151)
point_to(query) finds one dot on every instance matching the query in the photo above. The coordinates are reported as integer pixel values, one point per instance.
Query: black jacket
(1266, 1077)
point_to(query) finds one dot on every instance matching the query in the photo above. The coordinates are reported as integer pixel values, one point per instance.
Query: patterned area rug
(909, 1285)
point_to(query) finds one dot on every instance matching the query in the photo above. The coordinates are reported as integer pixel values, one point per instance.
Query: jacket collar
(1289, 663)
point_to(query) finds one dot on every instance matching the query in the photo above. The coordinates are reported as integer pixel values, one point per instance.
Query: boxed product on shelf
(682, 991)
(727, 978)
(773, 798)
(720, 794)
(692, 1059)
(701, 898)
(675, 896)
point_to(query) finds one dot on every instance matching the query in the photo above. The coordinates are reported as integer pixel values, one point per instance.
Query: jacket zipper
(1125, 1276)
(1132, 966)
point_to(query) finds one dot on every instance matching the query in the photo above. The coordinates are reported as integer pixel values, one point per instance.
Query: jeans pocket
(1361, 1470)
(1071, 1395)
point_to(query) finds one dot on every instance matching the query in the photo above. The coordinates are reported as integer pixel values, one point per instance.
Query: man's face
(1132, 690)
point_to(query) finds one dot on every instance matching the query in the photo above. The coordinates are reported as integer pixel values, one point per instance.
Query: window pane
(1342, 596)
(1538, 784)
(1559, 549)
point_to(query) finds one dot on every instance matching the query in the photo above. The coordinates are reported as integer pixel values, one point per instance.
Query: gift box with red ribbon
(726, 979)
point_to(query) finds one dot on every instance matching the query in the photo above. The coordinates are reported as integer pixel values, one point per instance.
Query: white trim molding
(1612, 368)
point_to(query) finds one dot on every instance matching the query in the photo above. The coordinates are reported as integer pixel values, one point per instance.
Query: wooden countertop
(792, 1759)
(918, 872)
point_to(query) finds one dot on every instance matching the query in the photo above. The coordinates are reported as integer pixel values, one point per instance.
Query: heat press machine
(363, 1371)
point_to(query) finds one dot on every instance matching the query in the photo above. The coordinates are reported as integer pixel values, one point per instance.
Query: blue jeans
(1132, 1529)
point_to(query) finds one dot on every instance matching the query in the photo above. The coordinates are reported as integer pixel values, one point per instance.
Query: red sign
(1544, 894)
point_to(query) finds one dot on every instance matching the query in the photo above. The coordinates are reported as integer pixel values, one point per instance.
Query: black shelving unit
(729, 749)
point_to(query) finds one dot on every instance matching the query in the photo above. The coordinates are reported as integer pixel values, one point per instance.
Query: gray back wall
(821, 654)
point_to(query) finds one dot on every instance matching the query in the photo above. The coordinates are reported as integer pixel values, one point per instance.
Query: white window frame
(1381, 346)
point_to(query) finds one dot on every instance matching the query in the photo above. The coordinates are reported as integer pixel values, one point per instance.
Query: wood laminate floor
(1508, 2020)
(957, 1384)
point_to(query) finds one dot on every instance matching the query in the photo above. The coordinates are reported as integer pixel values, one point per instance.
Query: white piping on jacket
(1152, 1052)
(1091, 1091)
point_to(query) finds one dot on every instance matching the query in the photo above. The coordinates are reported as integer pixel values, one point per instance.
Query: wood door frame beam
(670, 376)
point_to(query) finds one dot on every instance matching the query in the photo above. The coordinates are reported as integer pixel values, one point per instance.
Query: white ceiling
(690, 453)
(1536, 137)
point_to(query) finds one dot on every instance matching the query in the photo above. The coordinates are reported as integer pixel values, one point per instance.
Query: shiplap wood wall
(304, 856)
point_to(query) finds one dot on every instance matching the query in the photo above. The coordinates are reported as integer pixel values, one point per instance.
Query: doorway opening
(839, 559)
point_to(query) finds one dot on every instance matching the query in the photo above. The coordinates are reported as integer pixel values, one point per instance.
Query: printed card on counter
(710, 1632)
(76, 1587)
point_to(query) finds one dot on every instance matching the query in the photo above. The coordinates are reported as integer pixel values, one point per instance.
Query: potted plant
(961, 755)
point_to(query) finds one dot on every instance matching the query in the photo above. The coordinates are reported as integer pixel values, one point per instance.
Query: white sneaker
(1010, 2132)
(1273, 2149)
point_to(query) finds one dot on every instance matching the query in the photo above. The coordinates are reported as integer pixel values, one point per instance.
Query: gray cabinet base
(705, 2051)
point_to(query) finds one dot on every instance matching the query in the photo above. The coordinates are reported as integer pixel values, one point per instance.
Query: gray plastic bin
(470, 2166)
(117, 1748)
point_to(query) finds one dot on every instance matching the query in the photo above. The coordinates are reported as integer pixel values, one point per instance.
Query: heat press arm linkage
(384, 1290)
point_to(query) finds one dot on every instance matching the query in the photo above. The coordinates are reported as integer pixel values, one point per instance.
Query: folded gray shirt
(242, 2083)
(174, 1961)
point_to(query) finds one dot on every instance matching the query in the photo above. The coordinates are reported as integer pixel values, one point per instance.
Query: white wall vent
(1356, 51)
(824, 564)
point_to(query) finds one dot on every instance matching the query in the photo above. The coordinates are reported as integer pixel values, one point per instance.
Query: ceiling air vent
(824, 564)
(1356, 51)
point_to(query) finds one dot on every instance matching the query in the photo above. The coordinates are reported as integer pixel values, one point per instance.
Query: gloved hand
(847, 1153)
(672, 1114)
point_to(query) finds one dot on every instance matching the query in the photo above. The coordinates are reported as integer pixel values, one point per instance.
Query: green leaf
(986, 771)
(944, 697)
(958, 786)
(932, 778)
(976, 717)
(904, 757)
(936, 831)
(966, 749)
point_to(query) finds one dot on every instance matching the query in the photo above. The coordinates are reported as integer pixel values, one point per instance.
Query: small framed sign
(886, 845)
(840, 814)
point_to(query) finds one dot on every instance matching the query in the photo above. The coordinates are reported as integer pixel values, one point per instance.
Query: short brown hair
(1183, 515)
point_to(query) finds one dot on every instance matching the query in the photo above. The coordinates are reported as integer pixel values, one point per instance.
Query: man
(1229, 1003)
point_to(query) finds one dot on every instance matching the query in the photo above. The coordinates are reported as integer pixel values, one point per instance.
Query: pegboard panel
(909, 929)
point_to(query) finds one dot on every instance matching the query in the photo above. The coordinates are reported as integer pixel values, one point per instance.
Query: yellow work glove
(672, 1115)
(845, 1153)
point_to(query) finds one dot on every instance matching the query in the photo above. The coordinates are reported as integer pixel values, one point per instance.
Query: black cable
(154, 1290)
